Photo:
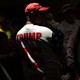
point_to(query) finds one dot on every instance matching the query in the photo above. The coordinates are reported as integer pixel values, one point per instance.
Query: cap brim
(26, 10)
(43, 8)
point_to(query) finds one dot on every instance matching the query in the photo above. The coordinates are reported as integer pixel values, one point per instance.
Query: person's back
(69, 26)
(38, 44)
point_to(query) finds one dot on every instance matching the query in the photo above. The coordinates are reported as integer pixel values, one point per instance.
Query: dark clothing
(47, 60)
(77, 51)
(9, 59)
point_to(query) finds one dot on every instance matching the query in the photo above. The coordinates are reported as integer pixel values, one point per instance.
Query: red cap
(35, 6)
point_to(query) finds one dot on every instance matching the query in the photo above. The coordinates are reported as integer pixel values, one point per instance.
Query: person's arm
(70, 57)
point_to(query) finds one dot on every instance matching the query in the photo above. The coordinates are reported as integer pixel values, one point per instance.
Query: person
(36, 38)
(69, 26)
(77, 10)
(5, 35)
(9, 61)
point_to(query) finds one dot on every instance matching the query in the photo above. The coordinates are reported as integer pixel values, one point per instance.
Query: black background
(14, 9)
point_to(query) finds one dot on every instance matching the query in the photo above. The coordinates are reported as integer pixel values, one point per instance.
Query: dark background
(14, 9)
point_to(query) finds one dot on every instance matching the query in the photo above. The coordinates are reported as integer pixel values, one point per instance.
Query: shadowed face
(69, 16)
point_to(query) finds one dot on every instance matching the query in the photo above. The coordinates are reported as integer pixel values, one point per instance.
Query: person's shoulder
(46, 28)
(42, 27)
(27, 25)
(21, 30)
(77, 21)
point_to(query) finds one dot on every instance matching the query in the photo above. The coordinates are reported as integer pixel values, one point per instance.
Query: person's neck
(28, 22)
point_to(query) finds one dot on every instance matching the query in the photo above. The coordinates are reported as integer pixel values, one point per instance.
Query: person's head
(68, 13)
(4, 23)
(38, 14)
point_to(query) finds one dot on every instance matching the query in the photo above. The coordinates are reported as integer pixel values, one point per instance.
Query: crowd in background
(10, 59)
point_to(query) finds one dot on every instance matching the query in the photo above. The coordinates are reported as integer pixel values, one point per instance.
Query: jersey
(69, 31)
(37, 40)
(34, 37)
(34, 32)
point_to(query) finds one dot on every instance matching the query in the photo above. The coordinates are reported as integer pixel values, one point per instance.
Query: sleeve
(70, 57)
